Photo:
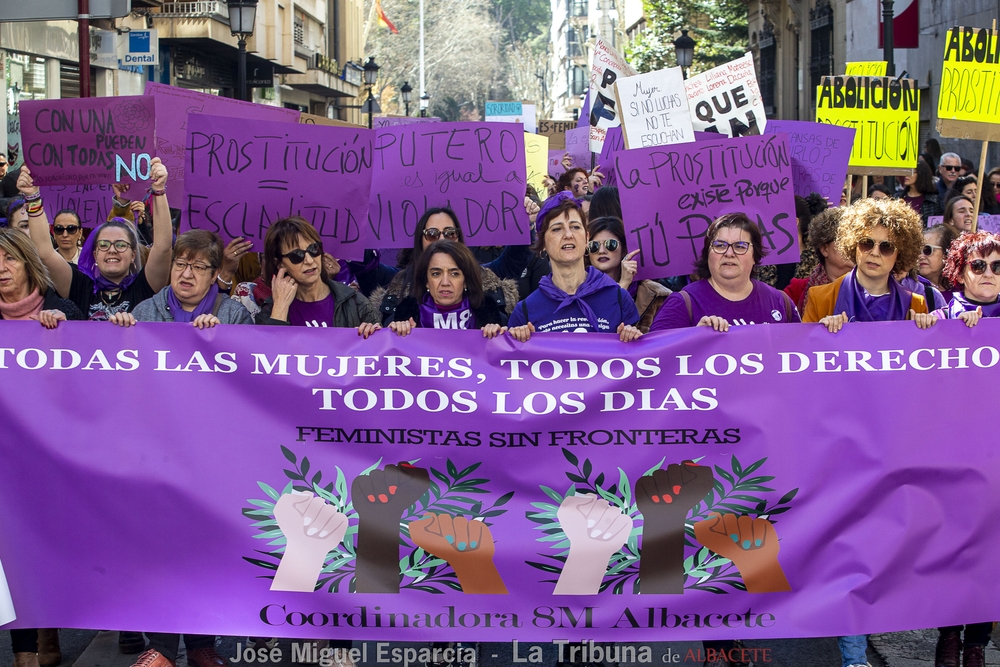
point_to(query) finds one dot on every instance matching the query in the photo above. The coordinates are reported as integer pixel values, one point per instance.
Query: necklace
(108, 297)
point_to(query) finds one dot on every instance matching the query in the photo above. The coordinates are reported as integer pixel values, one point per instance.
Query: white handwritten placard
(654, 109)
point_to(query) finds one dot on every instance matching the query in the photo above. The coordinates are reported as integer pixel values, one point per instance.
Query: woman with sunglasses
(884, 236)
(608, 252)
(960, 214)
(303, 293)
(973, 266)
(933, 255)
(574, 298)
(68, 235)
(725, 295)
(110, 277)
(438, 224)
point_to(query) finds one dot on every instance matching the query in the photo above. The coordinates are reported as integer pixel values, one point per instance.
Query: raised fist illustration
(312, 529)
(751, 544)
(665, 497)
(381, 498)
(466, 545)
(596, 530)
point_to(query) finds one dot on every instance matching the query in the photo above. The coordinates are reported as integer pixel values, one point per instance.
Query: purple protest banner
(671, 194)
(578, 146)
(984, 222)
(173, 105)
(244, 176)
(92, 141)
(476, 169)
(613, 141)
(845, 524)
(92, 203)
(819, 153)
(395, 121)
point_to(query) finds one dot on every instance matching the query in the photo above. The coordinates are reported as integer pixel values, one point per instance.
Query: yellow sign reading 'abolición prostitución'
(885, 113)
(970, 77)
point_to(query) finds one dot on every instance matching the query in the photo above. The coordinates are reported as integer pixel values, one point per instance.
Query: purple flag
(173, 105)
(614, 141)
(671, 194)
(440, 487)
(91, 202)
(819, 153)
(476, 169)
(244, 176)
(92, 141)
(578, 146)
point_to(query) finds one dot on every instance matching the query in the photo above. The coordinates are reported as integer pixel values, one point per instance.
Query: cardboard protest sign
(476, 169)
(513, 112)
(578, 146)
(244, 176)
(555, 130)
(654, 109)
(968, 105)
(91, 141)
(867, 68)
(819, 153)
(614, 141)
(536, 156)
(885, 113)
(671, 194)
(984, 222)
(173, 105)
(393, 121)
(726, 99)
(605, 69)
(92, 203)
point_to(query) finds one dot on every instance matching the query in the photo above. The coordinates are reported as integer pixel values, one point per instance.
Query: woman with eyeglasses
(575, 298)
(192, 295)
(438, 224)
(933, 255)
(960, 214)
(110, 277)
(725, 295)
(303, 293)
(68, 235)
(973, 266)
(884, 236)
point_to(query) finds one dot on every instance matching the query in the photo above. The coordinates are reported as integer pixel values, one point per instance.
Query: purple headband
(551, 203)
(88, 265)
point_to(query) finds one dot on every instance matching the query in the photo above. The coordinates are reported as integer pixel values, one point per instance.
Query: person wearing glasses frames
(948, 168)
(303, 293)
(110, 277)
(884, 236)
(68, 235)
(933, 255)
(973, 266)
(192, 295)
(724, 294)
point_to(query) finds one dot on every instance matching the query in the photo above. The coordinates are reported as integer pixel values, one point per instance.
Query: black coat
(488, 313)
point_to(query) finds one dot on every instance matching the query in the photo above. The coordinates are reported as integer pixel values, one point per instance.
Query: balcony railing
(194, 9)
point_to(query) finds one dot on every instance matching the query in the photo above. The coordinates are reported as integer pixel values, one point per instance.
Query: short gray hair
(948, 156)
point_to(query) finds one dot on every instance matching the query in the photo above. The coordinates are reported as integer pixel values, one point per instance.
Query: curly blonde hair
(902, 222)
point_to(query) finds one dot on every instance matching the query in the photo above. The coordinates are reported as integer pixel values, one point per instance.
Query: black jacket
(488, 313)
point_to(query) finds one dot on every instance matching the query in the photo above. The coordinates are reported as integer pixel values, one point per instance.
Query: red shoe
(152, 658)
(206, 657)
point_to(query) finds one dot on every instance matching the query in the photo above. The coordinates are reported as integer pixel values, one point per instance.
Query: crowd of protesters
(871, 259)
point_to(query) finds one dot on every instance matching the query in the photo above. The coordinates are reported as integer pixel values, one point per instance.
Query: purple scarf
(593, 283)
(960, 304)
(851, 300)
(433, 316)
(204, 307)
(552, 202)
(88, 265)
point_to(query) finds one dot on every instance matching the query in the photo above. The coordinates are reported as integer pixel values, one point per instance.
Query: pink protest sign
(671, 194)
(613, 142)
(244, 176)
(92, 203)
(476, 169)
(173, 105)
(93, 141)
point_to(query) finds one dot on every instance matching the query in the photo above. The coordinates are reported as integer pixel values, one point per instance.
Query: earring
(543, 254)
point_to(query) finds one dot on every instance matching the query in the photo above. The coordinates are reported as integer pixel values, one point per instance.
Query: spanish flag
(383, 20)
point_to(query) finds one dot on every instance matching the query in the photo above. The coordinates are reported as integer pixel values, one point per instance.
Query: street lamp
(242, 15)
(425, 101)
(371, 74)
(887, 37)
(407, 91)
(684, 50)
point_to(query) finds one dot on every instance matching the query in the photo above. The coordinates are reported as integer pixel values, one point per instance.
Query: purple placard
(848, 509)
(984, 222)
(476, 169)
(395, 121)
(246, 175)
(91, 202)
(578, 146)
(173, 105)
(555, 165)
(819, 153)
(671, 194)
(92, 141)
(614, 141)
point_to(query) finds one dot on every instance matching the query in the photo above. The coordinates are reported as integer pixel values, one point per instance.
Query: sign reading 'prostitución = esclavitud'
(885, 113)
(476, 169)
(93, 141)
(671, 194)
(244, 176)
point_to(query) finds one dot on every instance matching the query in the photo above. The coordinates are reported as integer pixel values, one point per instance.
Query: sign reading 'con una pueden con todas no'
(92, 141)
(244, 176)
(476, 169)
(671, 194)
